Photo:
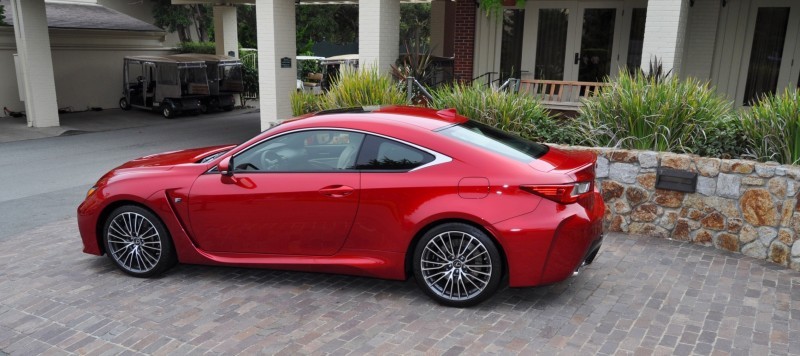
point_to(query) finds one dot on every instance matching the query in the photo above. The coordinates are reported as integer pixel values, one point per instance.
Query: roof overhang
(299, 2)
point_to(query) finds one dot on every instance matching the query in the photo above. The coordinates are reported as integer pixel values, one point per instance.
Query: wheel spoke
(436, 254)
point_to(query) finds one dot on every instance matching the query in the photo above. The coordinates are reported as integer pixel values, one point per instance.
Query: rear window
(498, 141)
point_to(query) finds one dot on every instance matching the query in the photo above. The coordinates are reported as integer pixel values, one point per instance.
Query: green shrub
(723, 138)
(363, 87)
(773, 127)
(197, 47)
(640, 113)
(351, 88)
(518, 113)
(304, 102)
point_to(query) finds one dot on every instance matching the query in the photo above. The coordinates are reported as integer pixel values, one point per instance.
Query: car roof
(426, 118)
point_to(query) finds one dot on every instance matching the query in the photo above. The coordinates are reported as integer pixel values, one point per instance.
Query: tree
(332, 23)
(2, 15)
(415, 25)
(246, 15)
(181, 18)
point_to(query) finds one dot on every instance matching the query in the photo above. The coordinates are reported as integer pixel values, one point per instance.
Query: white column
(378, 33)
(226, 33)
(438, 13)
(665, 33)
(276, 40)
(33, 47)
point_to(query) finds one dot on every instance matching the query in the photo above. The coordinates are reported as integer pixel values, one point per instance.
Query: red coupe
(385, 192)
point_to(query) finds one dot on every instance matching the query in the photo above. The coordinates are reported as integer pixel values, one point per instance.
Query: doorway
(582, 40)
(772, 49)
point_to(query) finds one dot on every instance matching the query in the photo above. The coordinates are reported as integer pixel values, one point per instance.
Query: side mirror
(225, 167)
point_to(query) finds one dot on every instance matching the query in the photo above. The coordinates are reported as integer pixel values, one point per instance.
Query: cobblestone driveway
(641, 296)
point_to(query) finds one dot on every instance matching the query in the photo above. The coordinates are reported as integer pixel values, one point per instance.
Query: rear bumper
(549, 244)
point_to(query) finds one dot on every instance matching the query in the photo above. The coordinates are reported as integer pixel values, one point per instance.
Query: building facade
(745, 48)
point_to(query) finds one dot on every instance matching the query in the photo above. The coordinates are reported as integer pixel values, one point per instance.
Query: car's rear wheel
(457, 265)
(137, 242)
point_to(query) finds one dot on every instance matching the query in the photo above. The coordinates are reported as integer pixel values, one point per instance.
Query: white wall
(87, 66)
(701, 35)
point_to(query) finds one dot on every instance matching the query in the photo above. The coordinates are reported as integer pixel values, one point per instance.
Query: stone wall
(740, 206)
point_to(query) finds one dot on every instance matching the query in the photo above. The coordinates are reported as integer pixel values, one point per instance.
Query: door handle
(337, 191)
(577, 57)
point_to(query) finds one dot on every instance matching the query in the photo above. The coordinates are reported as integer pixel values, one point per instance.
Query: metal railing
(249, 58)
(411, 85)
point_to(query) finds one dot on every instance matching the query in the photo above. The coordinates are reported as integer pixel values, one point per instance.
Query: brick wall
(464, 39)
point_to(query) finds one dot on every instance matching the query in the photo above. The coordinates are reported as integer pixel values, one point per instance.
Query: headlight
(91, 191)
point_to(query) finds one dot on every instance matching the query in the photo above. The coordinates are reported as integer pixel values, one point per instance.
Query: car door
(296, 194)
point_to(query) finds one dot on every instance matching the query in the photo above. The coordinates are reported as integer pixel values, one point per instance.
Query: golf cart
(224, 79)
(309, 74)
(169, 85)
(333, 65)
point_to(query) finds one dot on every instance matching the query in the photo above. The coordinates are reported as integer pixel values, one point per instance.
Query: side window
(168, 74)
(387, 155)
(304, 151)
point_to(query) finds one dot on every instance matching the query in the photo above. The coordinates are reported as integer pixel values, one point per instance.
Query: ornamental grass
(637, 112)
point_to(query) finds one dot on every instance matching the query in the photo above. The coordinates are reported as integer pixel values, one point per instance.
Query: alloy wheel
(456, 266)
(134, 242)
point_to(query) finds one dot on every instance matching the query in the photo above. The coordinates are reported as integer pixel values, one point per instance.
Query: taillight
(566, 193)
(560, 193)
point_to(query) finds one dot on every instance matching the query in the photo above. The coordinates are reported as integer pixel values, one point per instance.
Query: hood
(172, 158)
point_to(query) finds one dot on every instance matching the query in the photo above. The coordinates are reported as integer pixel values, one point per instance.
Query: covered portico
(379, 22)
(379, 31)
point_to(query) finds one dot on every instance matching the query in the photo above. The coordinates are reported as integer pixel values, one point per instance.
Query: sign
(286, 62)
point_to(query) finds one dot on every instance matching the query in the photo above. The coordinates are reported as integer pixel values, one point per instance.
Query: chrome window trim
(438, 158)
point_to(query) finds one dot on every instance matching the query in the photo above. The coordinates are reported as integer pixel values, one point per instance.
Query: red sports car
(384, 192)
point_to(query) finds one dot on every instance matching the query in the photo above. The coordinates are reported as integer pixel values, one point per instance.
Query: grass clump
(351, 88)
(772, 127)
(637, 112)
(363, 87)
(518, 113)
(304, 102)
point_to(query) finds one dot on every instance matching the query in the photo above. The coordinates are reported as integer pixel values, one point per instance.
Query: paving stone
(641, 296)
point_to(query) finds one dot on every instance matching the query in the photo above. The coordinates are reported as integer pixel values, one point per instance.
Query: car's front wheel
(137, 242)
(457, 265)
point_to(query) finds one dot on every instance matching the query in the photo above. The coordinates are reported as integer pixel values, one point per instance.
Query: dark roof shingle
(86, 16)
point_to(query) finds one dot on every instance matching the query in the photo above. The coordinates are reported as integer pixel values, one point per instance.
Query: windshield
(231, 78)
(193, 81)
(498, 141)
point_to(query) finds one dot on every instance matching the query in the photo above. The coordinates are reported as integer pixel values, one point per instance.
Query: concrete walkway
(16, 128)
(642, 296)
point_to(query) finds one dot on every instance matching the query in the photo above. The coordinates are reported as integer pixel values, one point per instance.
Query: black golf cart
(224, 79)
(169, 85)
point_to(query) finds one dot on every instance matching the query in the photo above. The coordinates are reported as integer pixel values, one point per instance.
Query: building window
(511, 47)
(636, 39)
(551, 43)
(766, 53)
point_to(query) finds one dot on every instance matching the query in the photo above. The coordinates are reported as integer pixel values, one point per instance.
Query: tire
(228, 108)
(203, 108)
(137, 242)
(167, 112)
(457, 265)
(124, 105)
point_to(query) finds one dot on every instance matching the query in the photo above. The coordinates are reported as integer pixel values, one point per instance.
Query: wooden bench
(560, 95)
